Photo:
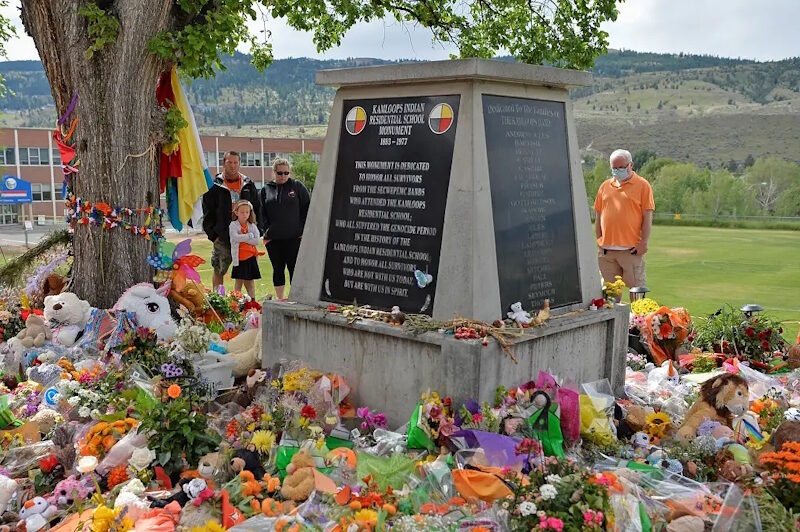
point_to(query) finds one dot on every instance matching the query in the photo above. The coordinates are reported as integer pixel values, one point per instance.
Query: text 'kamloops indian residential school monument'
(449, 188)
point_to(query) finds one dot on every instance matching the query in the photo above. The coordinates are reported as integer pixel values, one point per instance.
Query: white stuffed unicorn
(151, 308)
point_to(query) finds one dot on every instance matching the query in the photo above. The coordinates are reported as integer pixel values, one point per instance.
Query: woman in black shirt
(284, 207)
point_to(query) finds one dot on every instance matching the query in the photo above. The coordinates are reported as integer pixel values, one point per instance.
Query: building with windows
(31, 154)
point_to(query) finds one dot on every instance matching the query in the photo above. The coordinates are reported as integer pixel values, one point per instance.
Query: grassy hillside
(701, 109)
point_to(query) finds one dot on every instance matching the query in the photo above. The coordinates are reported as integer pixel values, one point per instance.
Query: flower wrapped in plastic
(664, 331)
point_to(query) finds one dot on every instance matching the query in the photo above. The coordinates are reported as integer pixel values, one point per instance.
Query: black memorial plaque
(389, 197)
(534, 227)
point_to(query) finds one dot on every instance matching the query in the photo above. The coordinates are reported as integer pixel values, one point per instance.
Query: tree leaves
(103, 27)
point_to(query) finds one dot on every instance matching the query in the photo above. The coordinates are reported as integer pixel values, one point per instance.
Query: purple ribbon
(69, 109)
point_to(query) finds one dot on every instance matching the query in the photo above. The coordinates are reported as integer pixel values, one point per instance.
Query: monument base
(388, 368)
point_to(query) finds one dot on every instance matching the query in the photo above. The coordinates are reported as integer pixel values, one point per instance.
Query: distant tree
(595, 177)
(675, 185)
(788, 203)
(770, 178)
(732, 166)
(652, 167)
(305, 168)
(640, 157)
(749, 161)
(726, 195)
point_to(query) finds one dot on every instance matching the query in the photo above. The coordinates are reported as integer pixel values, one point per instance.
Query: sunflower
(658, 424)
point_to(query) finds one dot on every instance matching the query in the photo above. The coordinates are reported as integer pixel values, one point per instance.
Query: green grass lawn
(702, 268)
(202, 248)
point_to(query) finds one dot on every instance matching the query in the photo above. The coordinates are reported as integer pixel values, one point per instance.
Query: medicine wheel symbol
(356, 120)
(441, 118)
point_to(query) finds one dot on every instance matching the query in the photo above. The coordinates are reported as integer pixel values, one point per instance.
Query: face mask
(621, 174)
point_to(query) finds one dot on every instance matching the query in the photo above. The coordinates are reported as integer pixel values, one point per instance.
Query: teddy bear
(299, 481)
(191, 297)
(35, 333)
(151, 308)
(70, 490)
(36, 514)
(787, 431)
(721, 399)
(53, 285)
(247, 460)
(519, 315)
(66, 314)
(245, 350)
(213, 466)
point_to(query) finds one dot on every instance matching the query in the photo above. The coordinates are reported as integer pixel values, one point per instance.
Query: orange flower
(665, 330)
(117, 475)
(757, 406)
(174, 391)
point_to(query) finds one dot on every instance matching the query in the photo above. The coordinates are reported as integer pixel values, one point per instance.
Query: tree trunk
(116, 133)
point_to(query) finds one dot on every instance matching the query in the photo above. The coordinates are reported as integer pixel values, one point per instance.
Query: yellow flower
(251, 427)
(210, 526)
(368, 517)
(263, 441)
(266, 418)
(276, 384)
(658, 424)
(304, 421)
(102, 518)
(320, 443)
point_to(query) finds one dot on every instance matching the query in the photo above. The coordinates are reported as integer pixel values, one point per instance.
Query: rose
(87, 464)
(141, 458)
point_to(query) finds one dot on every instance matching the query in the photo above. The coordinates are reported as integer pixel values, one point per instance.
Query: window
(269, 157)
(34, 156)
(59, 193)
(56, 157)
(211, 160)
(7, 156)
(9, 214)
(250, 158)
(315, 157)
(221, 159)
(40, 192)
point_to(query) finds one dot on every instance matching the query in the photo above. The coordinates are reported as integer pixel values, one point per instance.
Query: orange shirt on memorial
(621, 208)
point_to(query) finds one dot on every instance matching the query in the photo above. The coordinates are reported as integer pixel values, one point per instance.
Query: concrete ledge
(389, 368)
(484, 69)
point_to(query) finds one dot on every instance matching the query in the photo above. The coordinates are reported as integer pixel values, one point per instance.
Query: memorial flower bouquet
(560, 495)
(728, 331)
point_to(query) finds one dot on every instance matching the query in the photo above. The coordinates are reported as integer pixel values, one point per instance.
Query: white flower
(74, 400)
(84, 411)
(527, 508)
(548, 491)
(87, 464)
(553, 479)
(141, 458)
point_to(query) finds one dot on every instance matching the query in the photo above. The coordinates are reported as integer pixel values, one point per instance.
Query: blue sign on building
(14, 190)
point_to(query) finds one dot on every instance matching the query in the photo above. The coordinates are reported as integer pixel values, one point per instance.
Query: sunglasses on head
(281, 173)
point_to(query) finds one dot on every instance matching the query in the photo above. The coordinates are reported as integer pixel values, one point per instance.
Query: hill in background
(700, 109)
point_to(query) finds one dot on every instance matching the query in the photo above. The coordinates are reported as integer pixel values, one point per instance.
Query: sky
(765, 31)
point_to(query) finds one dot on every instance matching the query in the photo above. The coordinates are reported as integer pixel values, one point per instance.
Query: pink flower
(598, 517)
(588, 516)
(362, 412)
(477, 418)
(555, 523)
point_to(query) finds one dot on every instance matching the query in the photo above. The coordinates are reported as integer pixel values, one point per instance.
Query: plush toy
(36, 514)
(198, 491)
(519, 315)
(721, 399)
(734, 471)
(794, 356)
(191, 297)
(299, 481)
(245, 349)
(247, 460)
(151, 308)
(641, 441)
(786, 432)
(212, 466)
(35, 333)
(71, 489)
(66, 314)
(53, 285)
(7, 489)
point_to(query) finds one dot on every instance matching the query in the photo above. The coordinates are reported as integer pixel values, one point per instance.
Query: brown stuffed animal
(53, 285)
(35, 333)
(190, 297)
(299, 481)
(794, 356)
(786, 432)
(721, 398)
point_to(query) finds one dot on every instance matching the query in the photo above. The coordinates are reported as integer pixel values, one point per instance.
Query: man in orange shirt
(624, 207)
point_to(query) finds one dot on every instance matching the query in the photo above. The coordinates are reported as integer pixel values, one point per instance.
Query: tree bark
(116, 135)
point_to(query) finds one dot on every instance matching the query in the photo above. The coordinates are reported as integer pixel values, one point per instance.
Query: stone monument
(448, 188)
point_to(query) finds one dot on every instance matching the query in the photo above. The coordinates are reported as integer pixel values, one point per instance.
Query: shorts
(620, 262)
(221, 257)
